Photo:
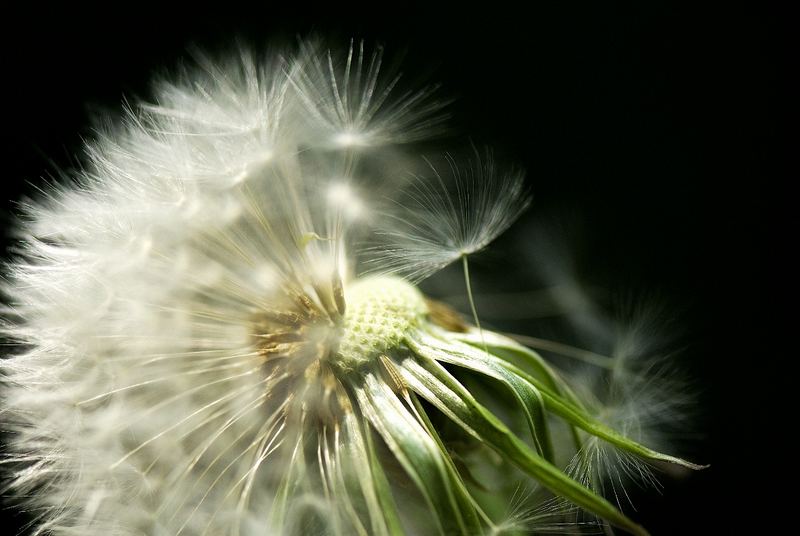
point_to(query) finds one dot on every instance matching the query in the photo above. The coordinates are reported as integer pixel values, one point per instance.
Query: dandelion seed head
(382, 311)
(199, 351)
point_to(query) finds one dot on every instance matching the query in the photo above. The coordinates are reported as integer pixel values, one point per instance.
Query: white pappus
(202, 348)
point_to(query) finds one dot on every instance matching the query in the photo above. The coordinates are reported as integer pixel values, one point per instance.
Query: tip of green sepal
(681, 462)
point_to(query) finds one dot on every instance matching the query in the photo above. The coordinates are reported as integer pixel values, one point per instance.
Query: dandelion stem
(465, 264)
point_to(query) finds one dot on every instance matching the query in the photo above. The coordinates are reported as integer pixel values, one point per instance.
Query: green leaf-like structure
(391, 355)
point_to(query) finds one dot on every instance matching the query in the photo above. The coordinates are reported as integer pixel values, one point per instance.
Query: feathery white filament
(352, 99)
(454, 213)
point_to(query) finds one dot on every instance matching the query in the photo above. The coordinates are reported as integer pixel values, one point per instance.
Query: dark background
(654, 126)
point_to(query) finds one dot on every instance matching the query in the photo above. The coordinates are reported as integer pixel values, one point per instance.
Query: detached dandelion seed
(203, 349)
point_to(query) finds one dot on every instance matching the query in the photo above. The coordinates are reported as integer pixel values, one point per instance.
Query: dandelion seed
(353, 101)
(456, 212)
(198, 354)
(640, 395)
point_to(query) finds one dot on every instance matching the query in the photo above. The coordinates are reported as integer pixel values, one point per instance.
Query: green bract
(392, 353)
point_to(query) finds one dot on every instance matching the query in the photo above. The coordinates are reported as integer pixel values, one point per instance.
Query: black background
(654, 125)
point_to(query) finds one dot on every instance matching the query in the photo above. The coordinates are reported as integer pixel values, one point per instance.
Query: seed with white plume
(199, 352)
(448, 214)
